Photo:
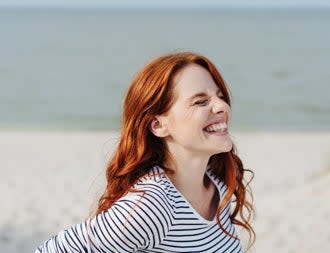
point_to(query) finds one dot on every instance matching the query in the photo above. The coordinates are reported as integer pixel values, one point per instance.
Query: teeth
(222, 127)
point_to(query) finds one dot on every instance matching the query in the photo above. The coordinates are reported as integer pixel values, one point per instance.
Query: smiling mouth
(217, 128)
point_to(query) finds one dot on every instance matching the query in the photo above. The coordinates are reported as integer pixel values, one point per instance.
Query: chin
(224, 148)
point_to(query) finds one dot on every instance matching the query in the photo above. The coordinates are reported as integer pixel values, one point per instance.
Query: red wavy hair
(151, 94)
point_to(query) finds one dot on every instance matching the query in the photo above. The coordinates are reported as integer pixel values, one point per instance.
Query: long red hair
(151, 94)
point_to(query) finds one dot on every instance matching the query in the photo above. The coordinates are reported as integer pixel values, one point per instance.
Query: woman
(174, 175)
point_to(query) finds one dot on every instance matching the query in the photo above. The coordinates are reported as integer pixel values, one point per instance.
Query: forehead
(193, 79)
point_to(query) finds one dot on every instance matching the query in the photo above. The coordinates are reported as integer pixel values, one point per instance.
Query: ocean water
(69, 68)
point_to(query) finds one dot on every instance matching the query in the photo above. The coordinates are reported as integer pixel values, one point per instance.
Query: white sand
(51, 180)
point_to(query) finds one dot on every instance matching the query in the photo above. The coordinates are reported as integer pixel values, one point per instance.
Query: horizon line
(134, 6)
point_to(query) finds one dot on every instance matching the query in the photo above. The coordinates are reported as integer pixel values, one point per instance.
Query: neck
(189, 170)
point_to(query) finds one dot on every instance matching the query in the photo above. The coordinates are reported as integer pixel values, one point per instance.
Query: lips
(216, 122)
(221, 127)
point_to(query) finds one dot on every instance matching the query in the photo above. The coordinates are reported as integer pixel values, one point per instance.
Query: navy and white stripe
(158, 220)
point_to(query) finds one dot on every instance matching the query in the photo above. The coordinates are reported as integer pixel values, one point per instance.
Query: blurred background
(67, 65)
(64, 70)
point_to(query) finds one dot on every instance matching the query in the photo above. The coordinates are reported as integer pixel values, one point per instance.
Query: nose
(219, 106)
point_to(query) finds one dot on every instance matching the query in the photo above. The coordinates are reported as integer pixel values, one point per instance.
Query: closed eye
(205, 101)
(201, 102)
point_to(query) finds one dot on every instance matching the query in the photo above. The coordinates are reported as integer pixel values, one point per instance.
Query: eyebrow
(201, 94)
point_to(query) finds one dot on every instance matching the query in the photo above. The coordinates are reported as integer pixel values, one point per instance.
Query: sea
(69, 68)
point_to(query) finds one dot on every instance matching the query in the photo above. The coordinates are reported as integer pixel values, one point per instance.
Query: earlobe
(158, 127)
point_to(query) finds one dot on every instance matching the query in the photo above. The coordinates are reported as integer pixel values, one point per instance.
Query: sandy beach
(51, 180)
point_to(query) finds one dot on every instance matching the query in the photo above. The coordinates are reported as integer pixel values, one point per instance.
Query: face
(198, 120)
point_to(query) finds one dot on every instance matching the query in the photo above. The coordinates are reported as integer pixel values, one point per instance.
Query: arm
(131, 224)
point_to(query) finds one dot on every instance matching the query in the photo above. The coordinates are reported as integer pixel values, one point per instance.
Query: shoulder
(150, 194)
(223, 190)
(220, 184)
(154, 187)
(146, 208)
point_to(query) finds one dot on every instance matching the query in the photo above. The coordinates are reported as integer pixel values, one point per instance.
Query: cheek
(190, 119)
(193, 117)
(179, 120)
(187, 118)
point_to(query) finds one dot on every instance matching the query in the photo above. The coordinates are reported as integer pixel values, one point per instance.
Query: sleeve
(131, 224)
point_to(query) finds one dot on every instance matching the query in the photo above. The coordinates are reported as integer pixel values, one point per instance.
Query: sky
(169, 3)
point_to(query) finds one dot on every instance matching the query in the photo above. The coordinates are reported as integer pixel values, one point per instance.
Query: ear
(158, 126)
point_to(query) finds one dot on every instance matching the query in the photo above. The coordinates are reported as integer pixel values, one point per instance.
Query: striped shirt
(158, 220)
